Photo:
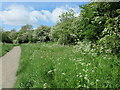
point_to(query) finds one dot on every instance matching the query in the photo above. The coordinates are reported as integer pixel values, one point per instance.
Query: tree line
(98, 23)
(27, 35)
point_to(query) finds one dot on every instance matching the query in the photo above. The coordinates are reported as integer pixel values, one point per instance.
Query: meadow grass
(48, 65)
(4, 48)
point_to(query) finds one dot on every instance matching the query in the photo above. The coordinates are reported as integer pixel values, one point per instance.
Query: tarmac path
(8, 66)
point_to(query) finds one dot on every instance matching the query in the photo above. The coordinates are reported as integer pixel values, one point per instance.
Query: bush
(5, 37)
(63, 31)
(41, 34)
(109, 44)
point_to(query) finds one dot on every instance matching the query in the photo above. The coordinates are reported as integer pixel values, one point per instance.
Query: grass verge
(4, 48)
(48, 65)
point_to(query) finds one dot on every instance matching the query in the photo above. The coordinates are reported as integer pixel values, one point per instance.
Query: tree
(13, 35)
(63, 31)
(22, 38)
(41, 34)
(5, 37)
(26, 27)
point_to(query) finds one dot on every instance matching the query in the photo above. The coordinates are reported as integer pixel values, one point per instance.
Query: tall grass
(48, 65)
(4, 48)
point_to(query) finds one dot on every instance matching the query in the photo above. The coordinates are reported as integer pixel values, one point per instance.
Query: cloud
(20, 15)
(54, 15)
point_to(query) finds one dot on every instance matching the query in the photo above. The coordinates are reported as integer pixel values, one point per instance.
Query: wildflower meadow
(48, 65)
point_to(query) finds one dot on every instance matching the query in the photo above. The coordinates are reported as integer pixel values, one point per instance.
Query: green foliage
(27, 34)
(48, 65)
(90, 32)
(112, 27)
(62, 32)
(24, 35)
(6, 37)
(97, 22)
(41, 34)
(13, 34)
(23, 38)
(109, 44)
(26, 27)
(4, 48)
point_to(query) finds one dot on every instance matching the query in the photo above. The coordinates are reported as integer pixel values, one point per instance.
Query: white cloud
(56, 13)
(19, 15)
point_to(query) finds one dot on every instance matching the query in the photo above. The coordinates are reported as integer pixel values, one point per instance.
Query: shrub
(109, 44)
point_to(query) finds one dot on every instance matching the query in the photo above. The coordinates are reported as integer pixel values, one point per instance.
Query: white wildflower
(54, 69)
(79, 86)
(93, 70)
(80, 76)
(49, 71)
(82, 63)
(77, 75)
(86, 75)
(85, 78)
(63, 73)
(45, 85)
(97, 80)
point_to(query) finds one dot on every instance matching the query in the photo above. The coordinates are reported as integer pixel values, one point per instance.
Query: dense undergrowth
(48, 65)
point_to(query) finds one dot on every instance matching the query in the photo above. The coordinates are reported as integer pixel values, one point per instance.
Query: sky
(13, 15)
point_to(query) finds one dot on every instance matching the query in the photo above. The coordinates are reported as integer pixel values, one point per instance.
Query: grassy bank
(4, 48)
(48, 65)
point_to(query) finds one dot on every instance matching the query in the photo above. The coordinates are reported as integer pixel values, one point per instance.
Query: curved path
(9, 66)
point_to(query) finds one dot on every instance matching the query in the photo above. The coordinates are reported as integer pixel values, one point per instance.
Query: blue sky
(16, 14)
